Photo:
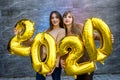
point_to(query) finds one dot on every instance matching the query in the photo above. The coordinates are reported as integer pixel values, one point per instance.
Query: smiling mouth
(55, 22)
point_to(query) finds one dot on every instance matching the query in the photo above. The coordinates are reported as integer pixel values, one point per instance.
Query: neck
(69, 28)
(54, 27)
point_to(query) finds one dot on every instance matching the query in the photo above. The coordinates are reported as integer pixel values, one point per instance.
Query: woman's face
(67, 20)
(55, 20)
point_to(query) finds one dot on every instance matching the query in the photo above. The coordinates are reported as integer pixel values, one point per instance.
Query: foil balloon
(73, 46)
(43, 67)
(25, 27)
(88, 39)
(105, 48)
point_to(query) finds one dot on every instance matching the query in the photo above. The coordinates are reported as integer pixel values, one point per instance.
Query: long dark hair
(60, 18)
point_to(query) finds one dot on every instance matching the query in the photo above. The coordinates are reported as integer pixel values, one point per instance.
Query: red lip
(66, 21)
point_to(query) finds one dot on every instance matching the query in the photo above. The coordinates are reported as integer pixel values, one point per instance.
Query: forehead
(54, 14)
(68, 14)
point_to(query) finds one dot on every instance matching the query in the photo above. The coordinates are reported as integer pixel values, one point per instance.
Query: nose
(55, 19)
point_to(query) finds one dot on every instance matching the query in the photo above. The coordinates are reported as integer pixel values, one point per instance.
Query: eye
(69, 16)
(57, 17)
(64, 16)
(52, 17)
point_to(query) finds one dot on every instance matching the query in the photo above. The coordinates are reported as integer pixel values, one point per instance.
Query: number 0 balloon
(102, 28)
(49, 42)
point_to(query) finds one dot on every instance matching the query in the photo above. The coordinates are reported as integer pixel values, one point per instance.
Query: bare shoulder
(80, 25)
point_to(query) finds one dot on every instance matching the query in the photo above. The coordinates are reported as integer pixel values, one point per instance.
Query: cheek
(70, 20)
(58, 21)
(52, 20)
(63, 20)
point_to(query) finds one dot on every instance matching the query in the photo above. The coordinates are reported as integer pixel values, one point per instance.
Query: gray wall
(11, 11)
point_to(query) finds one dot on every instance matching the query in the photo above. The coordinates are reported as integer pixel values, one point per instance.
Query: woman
(75, 29)
(57, 31)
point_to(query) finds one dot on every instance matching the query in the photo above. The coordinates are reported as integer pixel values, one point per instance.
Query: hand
(62, 62)
(112, 38)
(50, 72)
(15, 31)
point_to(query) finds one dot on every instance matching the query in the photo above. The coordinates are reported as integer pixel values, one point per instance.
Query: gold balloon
(25, 28)
(73, 46)
(43, 67)
(105, 48)
(88, 39)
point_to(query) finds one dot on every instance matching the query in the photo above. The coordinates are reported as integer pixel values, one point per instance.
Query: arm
(96, 35)
(43, 52)
(80, 26)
